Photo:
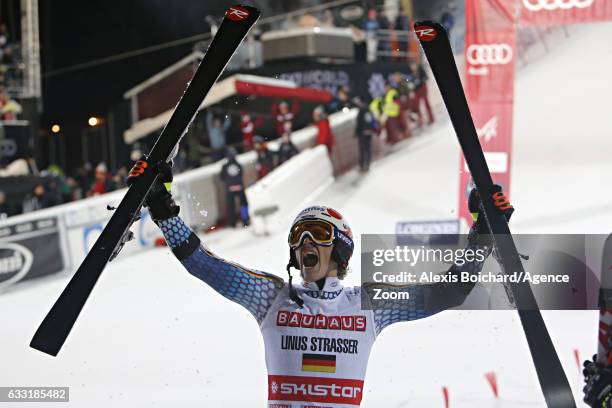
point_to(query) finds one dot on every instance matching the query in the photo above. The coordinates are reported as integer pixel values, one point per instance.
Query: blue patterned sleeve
(423, 300)
(252, 289)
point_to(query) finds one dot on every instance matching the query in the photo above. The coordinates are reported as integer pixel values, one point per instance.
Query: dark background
(77, 32)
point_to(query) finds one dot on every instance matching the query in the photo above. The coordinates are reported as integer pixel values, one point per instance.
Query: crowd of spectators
(384, 32)
(9, 107)
(53, 187)
(393, 116)
(8, 57)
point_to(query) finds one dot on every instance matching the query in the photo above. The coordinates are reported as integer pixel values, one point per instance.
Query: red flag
(445, 394)
(492, 380)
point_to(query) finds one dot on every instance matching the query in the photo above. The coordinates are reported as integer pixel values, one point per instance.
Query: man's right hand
(159, 201)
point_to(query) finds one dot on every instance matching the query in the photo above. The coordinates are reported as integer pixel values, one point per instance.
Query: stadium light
(56, 128)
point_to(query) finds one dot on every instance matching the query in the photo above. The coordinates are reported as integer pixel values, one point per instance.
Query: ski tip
(38, 344)
(242, 13)
(428, 30)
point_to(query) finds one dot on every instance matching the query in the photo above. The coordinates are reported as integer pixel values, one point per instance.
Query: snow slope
(152, 335)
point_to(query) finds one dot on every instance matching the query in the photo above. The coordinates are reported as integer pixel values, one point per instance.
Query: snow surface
(152, 335)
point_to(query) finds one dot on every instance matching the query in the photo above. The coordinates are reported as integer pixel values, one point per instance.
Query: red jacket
(284, 122)
(325, 135)
(248, 130)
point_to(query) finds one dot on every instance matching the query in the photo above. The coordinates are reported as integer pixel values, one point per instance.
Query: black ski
(56, 326)
(435, 43)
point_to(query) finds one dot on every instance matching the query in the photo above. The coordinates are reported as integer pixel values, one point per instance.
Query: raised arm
(428, 299)
(423, 300)
(209, 121)
(227, 122)
(255, 290)
(252, 289)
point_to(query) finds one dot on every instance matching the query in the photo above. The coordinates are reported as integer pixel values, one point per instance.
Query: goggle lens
(320, 231)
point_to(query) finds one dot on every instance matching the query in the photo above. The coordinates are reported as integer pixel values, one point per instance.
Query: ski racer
(317, 336)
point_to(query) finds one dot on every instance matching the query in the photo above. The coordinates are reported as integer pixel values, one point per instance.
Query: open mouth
(310, 258)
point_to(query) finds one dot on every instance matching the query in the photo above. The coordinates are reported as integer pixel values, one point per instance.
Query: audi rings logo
(550, 5)
(489, 54)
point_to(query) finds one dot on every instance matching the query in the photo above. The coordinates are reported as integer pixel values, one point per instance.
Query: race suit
(316, 356)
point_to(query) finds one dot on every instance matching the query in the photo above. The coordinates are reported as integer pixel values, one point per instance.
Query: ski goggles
(321, 232)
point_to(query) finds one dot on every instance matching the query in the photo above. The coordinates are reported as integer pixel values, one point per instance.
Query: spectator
(395, 125)
(192, 143)
(401, 83)
(421, 95)
(102, 181)
(328, 19)
(37, 200)
(340, 101)
(384, 46)
(120, 178)
(324, 135)
(5, 209)
(307, 20)
(371, 27)
(9, 108)
(376, 107)
(68, 190)
(4, 160)
(402, 27)
(216, 134)
(402, 20)
(248, 127)
(231, 175)
(366, 128)
(265, 158)
(3, 35)
(285, 117)
(404, 89)
(287, 149)
(84, 178)
(53, 189)
(447, 19)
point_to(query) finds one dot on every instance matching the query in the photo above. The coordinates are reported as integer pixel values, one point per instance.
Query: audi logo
(549, 5)
(489, 54)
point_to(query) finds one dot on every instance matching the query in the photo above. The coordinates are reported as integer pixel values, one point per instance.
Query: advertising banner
(29, 249)
(490, 50)
(557, 12)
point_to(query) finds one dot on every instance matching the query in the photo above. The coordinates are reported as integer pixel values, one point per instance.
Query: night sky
(76, 32)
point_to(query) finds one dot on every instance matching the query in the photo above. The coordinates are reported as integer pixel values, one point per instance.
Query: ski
(553, 382)
(54, 329)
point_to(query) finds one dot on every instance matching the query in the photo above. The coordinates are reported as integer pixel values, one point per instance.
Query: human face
(315, 260)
